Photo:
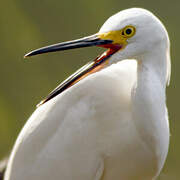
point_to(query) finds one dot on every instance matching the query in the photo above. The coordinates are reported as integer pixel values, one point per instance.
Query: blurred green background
(27, 25)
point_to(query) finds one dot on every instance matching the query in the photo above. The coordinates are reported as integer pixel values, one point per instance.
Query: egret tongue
(112, 48)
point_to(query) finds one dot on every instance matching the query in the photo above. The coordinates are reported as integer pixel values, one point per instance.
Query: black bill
(93, 40)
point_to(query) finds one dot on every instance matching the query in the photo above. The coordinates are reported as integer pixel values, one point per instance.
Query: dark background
(27, 25)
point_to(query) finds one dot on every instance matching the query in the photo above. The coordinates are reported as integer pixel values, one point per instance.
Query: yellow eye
(128, 31)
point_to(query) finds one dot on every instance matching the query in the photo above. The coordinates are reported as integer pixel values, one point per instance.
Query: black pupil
(128, 31)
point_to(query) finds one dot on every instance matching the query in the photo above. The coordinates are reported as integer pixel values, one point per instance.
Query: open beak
(99, 63)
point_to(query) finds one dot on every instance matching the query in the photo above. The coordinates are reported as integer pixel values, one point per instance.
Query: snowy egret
(109, 120)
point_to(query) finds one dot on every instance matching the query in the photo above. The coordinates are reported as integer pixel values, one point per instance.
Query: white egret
(109, 120)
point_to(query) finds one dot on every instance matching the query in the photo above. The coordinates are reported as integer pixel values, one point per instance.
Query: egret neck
(149, 103)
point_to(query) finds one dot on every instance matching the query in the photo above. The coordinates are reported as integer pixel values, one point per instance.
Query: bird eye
(128, 31)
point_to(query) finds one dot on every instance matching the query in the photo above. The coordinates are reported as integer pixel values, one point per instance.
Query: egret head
(127, 34)
(137, 32)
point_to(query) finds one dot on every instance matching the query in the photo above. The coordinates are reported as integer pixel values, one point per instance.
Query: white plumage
(111, 125)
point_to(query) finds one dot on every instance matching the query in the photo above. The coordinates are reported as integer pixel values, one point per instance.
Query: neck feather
(155, 65)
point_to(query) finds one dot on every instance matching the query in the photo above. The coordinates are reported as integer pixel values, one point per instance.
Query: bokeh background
(27, 25)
